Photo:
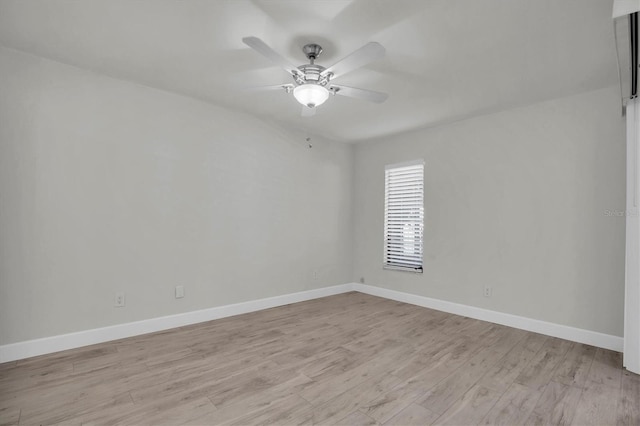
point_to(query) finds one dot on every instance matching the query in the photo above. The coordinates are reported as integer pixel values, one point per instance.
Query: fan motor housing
(311, 74)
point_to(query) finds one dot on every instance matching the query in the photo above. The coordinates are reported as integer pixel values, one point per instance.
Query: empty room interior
(343, 212)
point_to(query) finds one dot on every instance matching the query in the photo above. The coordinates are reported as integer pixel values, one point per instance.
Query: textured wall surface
(525, 201)
(109, 186)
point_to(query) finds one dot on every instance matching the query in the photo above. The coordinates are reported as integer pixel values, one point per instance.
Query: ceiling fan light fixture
(311, 95)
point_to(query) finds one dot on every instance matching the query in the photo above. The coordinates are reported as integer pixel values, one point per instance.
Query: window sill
(402, 269)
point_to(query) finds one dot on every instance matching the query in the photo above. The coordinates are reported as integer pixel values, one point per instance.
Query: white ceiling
(446, 59)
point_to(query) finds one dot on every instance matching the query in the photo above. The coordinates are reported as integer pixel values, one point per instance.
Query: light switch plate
(179, 291)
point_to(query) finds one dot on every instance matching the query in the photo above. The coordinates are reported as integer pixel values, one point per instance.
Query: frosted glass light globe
(311, 95)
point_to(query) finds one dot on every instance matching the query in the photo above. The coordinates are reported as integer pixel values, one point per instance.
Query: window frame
(417, 267)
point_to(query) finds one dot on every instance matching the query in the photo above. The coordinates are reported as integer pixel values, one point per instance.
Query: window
(403, 216)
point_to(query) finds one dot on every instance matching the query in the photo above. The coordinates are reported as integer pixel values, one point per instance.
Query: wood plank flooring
(347, 359)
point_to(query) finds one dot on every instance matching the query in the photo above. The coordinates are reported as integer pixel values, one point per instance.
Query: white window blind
(403, 216)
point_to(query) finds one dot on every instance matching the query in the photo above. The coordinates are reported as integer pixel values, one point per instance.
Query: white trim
(631, 356)
(419, 162)
(625, 7)
(29, 348)
(588, 337)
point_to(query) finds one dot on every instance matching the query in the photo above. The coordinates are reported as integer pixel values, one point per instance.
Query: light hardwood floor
(347, 359)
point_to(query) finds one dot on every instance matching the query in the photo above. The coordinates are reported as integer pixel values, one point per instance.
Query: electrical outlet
(487, 291)
(361, 280)
(119, 300)
(315, 274)
(179, 291)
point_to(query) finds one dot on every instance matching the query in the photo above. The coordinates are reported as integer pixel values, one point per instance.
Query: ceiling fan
(313, 83)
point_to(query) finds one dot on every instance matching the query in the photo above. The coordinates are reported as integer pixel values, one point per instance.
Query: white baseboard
(29, 348)
(588, 337)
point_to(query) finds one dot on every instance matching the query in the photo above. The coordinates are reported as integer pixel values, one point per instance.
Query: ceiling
(446, 59)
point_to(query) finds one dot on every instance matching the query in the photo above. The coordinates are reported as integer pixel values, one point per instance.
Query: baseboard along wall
(593, 338)
(30, 348)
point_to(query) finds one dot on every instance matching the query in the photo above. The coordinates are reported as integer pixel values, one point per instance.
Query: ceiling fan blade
(366, 54)
(262, 48)
(353, 92)
(284, 86)
(308, 112)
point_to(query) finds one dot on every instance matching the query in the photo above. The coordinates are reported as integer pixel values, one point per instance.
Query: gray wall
(516, 200)
(109, 186)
